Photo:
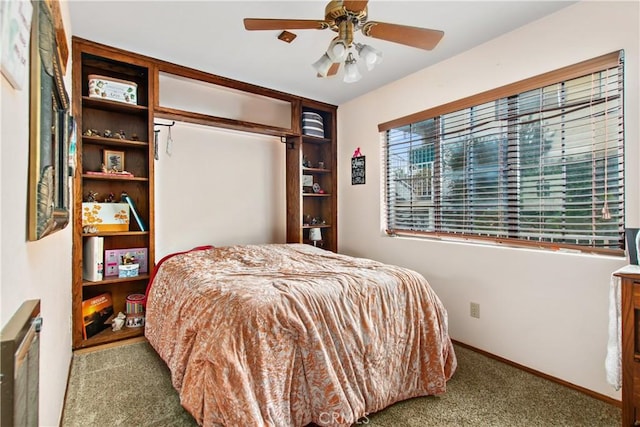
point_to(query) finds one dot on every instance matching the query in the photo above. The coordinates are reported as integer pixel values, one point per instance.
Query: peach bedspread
(288, 334)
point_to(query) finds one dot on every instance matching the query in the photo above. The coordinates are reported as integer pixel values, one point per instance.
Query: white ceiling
(210, 36)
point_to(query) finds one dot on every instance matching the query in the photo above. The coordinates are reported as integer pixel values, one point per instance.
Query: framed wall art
(50, 123)
(358, 170)
(16, 27)
(113, 161)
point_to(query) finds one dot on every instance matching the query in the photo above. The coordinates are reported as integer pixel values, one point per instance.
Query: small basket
(128, 270)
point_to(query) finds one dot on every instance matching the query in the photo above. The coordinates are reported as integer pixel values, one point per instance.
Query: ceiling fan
(346, 17)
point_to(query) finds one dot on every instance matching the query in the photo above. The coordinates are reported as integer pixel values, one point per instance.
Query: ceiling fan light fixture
(346, 17)
(322, 65)
(337, 50)
(351, 72)
(369, 55)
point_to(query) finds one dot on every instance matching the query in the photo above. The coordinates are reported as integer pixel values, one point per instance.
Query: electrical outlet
(475, 310)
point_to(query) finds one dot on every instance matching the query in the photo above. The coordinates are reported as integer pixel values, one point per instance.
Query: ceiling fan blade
(284, 24)
(422, 38)
(355, 6)
(334, 69)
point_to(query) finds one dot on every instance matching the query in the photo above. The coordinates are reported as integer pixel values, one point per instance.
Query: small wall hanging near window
(357, 168)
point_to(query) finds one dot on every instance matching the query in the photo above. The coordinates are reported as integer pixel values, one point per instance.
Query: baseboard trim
(66, 391)
(127, 341)
(567, 384)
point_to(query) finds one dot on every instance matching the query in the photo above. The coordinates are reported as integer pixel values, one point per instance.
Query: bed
(289, 334)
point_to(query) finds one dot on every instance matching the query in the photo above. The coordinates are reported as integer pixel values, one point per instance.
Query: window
(539, 162)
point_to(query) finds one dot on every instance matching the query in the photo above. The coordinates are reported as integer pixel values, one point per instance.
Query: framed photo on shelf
(113, 160)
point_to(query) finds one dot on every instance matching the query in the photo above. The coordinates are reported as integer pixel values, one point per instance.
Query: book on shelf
(93, 259)
(96, 313)
(134, 211)
(116, 257)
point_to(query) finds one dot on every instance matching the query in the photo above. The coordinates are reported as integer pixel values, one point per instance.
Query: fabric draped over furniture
(289, 334)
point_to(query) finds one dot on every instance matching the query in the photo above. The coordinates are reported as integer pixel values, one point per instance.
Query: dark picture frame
(358, 175)
(50, 122)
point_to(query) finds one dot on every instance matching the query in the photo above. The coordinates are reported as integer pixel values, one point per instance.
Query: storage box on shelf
(111, 98)
(105, 216)
(312, 124)
(113, 89)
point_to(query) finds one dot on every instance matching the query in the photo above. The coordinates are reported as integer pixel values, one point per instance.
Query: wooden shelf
(117, 233)
(100, 114)
(309, 139)
(107, 336)
(105, 104)
(114, 280)
(113, 177)
(315, 170)
(301, 202)
(114, 142)
(221, 122)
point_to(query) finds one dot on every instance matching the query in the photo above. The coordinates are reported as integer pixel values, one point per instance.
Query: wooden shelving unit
(303, 205)
(137, 123)
(307, 209)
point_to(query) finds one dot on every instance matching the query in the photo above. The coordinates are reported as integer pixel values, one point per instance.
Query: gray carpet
(130, 386)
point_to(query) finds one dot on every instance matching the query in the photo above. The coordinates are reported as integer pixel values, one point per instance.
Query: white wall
(544, 310)
(218, 187)
(34, 270)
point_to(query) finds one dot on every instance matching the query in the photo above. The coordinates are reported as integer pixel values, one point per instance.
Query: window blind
(542, 166)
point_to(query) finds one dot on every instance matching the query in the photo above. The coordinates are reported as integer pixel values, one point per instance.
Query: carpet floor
(130, 385)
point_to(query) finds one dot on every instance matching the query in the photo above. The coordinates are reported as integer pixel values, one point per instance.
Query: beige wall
(218, 187)
(33, 270)
(544, 310)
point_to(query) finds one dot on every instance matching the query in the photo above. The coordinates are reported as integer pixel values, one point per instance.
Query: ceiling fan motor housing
(344, 21)
(335, 12)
